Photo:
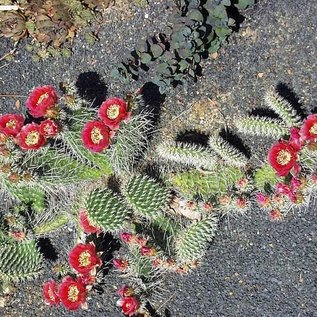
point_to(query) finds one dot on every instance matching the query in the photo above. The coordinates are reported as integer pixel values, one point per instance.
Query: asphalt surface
(254, 267)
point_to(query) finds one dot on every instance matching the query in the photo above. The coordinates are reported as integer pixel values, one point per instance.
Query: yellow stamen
(283, 157)
(84, 258)
(32, 138)
(113, 111)
(96, 135)
(11, 124)
(42, 97)
(313, 129)
(73, 292)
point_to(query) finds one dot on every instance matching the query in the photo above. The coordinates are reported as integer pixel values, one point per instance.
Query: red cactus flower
(120, 264)
(275, 215)
(129, 305)
(127, 237)
(83, 258)
(72, 293)
(86, 225)
(141, 241)
(148, 251)
(30, 137)
(309, 128)
(113, 111)
(125, 291)
(17, 235)
(95, 136)
(295, 139)
(11, 124)
(295, 183)
(282, 188)
(40, 100)
(49, 128)
(241, 202)
(282, 157)
(263, 200)
(87, 279)
(50, 293)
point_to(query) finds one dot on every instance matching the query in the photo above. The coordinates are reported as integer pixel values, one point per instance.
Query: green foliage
(200, 27)
(261, 126)
(106, 210)
(265, 178)
(146, 197)
(192, 242)
(204, 185)
(230, 155)
(283, 108)
(19, 260)
(187, 154)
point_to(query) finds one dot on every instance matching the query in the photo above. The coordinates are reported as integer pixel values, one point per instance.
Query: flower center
(42, 97)
(284, 157)
(73, 292)
(84, 258)
(32, 138)
(11, 124)
(51, 295)
(113, 111)
(96, 135)
(313, 129)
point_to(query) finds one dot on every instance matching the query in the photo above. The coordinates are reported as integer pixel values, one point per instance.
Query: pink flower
(282, 188)
(72, 293)
(275, 215)
(113, 111)
(263, 200)
(40, 100)
(49, 128)
(11, 124)
(309, 129)
(282, 157)
(30, 137)
(120, 264)
(125, 291)
(50, 293)
(241, 202)
(129, 305)
(148, 251)
(86, 225)
(127, 237)
(295, 183)
(95, 136)
(295, 139)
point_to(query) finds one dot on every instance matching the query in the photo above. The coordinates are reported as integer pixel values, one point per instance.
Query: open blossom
(40, 100)
(129, 305)
(282, 157)
(309, 129)
(49, 128)
(50, 293)
(120, 264)
(113, 111)
(72, 293)
(95, 136)
(30, 137)
(83, 258)
(86, 225)
(11, 124)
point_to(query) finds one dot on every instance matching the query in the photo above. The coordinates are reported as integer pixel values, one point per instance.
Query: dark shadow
(152, 311)
(235, 141)
(192, 137)
(234, 13)
(47, 250)
(92, 88)
(167, 313)
(264, 112)
(289, 95)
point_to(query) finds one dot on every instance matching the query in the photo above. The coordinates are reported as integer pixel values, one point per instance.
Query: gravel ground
(254, 267)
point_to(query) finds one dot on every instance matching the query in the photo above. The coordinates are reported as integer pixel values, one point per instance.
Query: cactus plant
(106, 210)
(187, 154)
(19, 260)
(192, 242)
(265, 178)
(231, 155)
(146, 197)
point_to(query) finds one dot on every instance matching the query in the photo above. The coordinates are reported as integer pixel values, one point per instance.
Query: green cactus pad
(265, 178)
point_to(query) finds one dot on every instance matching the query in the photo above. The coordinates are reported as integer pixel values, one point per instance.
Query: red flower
(275, 215)
(87, 279)
(72, 293)
(129, 305)
(148, 251)
(40, 100)
(120, 264)
(309, 128)
(263, 200)
(125, 291)
(282, 157)
(11, 124)
(241, 202)
(50, 293)
(83, 258)
(85, 224)
(30, 137)
(113, 111)
(127, 237)
(95, 136)
(49, 128)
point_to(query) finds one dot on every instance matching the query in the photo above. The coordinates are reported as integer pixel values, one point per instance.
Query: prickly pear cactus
(19, 260)
(192, 242)
(106, 210)
(146, 197)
